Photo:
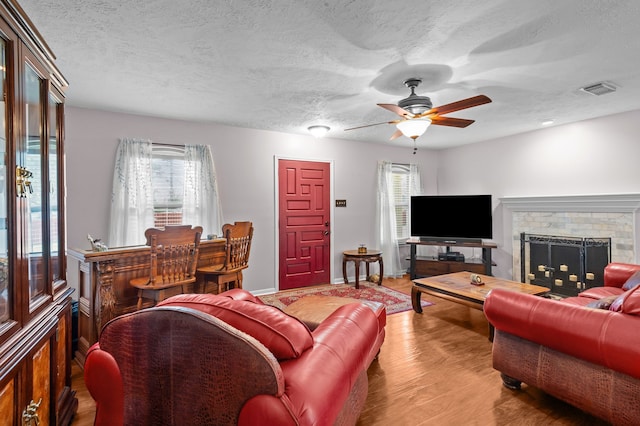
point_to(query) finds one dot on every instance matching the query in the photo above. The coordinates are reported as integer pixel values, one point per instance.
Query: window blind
(402, 199)
(167, 176)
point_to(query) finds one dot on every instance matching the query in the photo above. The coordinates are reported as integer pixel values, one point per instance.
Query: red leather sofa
(584, 350)
(230, 359)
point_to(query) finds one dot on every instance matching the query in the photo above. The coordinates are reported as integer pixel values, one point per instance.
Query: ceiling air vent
(599, 89)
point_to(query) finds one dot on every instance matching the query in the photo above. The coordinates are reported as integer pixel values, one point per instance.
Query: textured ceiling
(285, 65)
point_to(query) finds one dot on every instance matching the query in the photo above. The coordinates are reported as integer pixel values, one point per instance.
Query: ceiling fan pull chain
(415, 148)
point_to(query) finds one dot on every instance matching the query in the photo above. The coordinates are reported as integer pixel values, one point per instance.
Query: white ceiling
(285, 65)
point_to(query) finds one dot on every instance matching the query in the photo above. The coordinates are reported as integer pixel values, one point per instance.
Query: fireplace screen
(566, 265)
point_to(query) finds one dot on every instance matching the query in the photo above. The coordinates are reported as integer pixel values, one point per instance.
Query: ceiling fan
(418, 113)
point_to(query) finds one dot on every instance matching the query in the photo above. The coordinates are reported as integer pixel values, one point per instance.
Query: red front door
(304, 203)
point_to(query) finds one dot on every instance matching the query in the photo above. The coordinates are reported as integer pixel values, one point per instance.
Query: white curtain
(132, 194)
(386, 221)
(415, 181)
(415, 188)
(201, 203)
(386, 215)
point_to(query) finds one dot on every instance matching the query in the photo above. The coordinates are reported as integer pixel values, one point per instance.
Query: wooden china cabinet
(35, 299)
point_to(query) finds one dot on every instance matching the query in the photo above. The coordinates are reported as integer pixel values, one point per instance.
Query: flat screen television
(451, 218)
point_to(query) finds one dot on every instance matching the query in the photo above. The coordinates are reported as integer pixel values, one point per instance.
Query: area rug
(394, 300)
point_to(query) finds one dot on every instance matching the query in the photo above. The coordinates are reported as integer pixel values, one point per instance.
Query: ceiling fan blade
(369, 125)
(457, 106)
(395, 135)
(397, 110)
(450, 121)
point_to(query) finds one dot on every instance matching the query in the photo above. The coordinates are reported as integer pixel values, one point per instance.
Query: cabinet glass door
(34, 195)
(55, 239)
(4, 217)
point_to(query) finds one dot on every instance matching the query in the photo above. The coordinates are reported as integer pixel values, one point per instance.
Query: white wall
(244, 160)
(599, 156)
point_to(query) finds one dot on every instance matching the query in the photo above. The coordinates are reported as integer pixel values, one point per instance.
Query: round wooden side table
(356, 257)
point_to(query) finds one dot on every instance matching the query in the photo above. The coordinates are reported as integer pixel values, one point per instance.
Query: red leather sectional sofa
(584, 350)
(213, 359)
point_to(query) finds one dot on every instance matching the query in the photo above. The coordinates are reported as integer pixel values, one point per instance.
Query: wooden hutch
(35, 300)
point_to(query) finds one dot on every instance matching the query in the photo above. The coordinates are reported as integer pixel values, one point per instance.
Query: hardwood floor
(434, 368)
(86, 407)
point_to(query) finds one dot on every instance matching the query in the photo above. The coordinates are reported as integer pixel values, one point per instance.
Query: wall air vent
(599, 89)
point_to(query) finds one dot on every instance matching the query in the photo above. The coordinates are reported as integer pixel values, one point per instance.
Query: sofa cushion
(631, 303)
(285, 336)
(598, 293)
(577, 301)
(632, 281)
(628, 302)
(241, 294)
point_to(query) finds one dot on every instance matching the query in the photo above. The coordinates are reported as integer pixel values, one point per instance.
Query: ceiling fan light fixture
(318, 131)
(414, 128)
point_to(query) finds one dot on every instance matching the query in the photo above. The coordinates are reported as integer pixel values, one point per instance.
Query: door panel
(304, 202)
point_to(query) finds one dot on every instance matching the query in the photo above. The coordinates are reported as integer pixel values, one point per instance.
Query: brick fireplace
(615, 216)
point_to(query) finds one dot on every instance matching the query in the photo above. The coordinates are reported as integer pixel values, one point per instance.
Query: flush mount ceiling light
(318, 131)
(414, 128)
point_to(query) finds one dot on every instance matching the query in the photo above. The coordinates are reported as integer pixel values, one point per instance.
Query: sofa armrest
(599, 336)
(616, 273)
(318, 383)
(104, 383)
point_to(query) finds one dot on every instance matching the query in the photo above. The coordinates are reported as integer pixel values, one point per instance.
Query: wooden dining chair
(237, 247)
(172, 267)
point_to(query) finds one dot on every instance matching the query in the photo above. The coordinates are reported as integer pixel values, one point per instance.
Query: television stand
(422, 266)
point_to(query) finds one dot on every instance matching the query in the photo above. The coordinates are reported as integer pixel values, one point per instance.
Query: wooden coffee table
(457, 287)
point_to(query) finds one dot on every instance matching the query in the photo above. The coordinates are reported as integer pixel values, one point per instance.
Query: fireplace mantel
(618, 203)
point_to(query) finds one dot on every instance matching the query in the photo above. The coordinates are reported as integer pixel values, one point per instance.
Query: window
(402, 199)
(156, 185)
(167, 177)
